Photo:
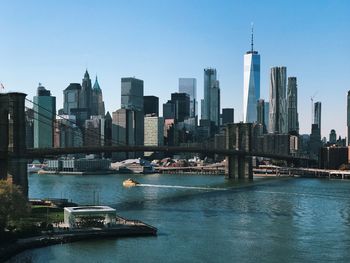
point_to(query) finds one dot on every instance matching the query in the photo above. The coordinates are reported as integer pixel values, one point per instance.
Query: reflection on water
(209, 219)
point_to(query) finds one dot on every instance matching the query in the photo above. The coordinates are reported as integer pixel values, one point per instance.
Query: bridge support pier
(239, 137)
(13, 139)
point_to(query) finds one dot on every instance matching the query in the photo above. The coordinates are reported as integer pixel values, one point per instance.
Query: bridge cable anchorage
(74, 123)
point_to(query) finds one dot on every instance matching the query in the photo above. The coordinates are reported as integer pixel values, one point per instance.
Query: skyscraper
(260, 113)
(251, 83)
(215, 103)
(209, 83)
(98, 106)
(292, 101)
(44, 115)
(71, 97)
(151, 105)
(227, 116)
(348, 116)
(317, 114)
(278, 105)
(86, 94)
(132, 94)
(189, 86)
(181, 102)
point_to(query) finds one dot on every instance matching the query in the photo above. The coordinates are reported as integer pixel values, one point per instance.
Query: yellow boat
(130, 182)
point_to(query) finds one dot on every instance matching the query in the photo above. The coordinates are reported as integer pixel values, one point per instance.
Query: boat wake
(182, 187)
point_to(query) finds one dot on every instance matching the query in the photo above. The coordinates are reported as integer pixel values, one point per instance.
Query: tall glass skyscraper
(292, 100)
(278, 105)
(211, 103)
(317, 114)
(251, 84)
(44, 115)
(189, 86)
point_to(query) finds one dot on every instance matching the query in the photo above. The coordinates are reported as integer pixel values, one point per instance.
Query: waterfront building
(154, 132)
(333, 157)
(317, 115)
(132, 94)
(98, 105)
(251, 84)
(278, 105)
(78, 165)
(292, 101)
(211, 104)
(151, 105)
(227, 116)
(348, 116)
(315, 141)
(74, 217)
(189, 86)
(44, 116)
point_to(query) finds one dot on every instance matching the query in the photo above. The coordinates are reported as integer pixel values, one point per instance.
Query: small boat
(130, 182)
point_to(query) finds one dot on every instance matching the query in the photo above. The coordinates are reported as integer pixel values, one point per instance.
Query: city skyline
(39, 46)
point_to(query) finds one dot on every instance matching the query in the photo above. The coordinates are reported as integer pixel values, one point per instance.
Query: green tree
(13, 204)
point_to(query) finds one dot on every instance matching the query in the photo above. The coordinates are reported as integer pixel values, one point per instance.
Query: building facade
(189, 86)
(317, 115)
(211, 103)
(227, 116)
(151, 105)
(132, 94)
(154, 132)
(44, 117)
(251, 84)
(278, 122)
(292, 105)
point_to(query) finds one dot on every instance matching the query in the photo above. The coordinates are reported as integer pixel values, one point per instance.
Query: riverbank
(130, 228)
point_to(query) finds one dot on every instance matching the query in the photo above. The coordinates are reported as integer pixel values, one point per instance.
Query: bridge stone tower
(13, 139)
(239, 137)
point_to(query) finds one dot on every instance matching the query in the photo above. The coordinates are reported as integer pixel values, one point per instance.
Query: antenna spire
(252, 40)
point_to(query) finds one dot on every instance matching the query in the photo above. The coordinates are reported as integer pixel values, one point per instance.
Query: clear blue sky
(53, 42)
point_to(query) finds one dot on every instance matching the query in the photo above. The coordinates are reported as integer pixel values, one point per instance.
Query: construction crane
(312, 107)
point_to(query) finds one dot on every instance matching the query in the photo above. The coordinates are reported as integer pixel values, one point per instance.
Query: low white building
(89, 216)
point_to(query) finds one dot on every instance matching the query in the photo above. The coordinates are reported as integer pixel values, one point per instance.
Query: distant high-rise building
(98, 106)
(333, 137)
(71, 97)
(130, 129)
(317, 115)
(154, 132)
(348, 116)
(251, 84)
(292, 101)
(189, 86)
(211, 103)
(278, 122)
(260, 113)
(86, 94)
(151, 105)
(132, 94)
(168, 110)
(44, 116)
(181, 102)
(29, 113)
(215, 103)
(267, 114)
(227, 116)
(94, 131)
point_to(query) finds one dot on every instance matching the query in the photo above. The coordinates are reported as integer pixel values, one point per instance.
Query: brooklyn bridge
(14, 154)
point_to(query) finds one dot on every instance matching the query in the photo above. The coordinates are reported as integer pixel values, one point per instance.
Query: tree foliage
(13, 204)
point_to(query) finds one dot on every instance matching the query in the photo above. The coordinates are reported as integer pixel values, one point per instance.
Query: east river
(208, 219)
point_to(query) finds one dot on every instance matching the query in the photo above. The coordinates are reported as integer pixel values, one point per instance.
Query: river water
(208, 219)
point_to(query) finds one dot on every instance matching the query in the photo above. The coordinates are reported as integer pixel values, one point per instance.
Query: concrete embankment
(6, 252)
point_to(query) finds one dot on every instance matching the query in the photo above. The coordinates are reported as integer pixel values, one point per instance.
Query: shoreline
(21, 245)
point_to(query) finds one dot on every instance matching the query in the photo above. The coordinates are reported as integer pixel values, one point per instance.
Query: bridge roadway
(54, 152)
